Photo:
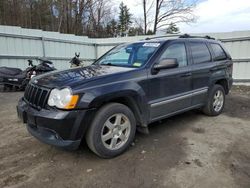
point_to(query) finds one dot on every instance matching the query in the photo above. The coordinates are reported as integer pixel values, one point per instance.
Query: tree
(145, 15)
(177, 11)
(80, 11)
(112, 28)
(94, 18)
(146, 12)
(124, 19)
(172, 28)
(150, 32)
(133, 31)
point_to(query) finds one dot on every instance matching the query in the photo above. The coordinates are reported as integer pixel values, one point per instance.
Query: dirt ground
(188, 150)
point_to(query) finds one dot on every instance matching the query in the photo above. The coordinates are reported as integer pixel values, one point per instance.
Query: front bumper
(59, 128)
(49, 137)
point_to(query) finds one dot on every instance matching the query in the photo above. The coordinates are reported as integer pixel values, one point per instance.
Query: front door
(170, 89)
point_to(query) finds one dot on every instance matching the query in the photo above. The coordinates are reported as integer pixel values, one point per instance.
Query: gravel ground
(187, 150)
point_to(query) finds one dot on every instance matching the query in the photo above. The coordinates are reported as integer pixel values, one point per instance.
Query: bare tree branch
(175, 11)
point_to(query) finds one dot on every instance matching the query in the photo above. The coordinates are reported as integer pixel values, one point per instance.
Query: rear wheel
(112, 130)
(216, 101)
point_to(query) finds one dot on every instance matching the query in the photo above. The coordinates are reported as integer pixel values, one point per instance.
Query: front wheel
(112, 130)
(215, 102)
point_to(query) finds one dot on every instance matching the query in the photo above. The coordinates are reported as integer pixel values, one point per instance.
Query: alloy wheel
(116, 131)
(218, 100)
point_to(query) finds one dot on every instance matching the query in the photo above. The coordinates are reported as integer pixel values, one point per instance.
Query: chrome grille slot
(36, 96)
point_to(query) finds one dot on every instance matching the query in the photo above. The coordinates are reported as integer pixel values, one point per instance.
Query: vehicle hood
(75, 76)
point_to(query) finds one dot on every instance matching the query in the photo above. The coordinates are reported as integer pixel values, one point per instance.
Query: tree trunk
(30, 15)
(145, 16)
(67, 16)
(52, 16)
(156, 15)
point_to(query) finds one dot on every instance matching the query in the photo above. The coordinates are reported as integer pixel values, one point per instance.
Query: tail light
(230, 69)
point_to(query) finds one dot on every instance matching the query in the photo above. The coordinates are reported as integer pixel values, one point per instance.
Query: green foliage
(150, 32)
(93, 18)
(124, 19)
(112, 28)
(172, 29)
(133, 31)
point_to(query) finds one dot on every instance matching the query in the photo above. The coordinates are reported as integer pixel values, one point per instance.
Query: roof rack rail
(190, 36)
(163, 36)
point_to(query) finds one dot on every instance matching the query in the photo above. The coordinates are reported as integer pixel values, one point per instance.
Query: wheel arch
(129, 99)
(224, 83)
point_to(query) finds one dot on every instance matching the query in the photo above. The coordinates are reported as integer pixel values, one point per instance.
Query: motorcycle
(16, 78)
(75, 61)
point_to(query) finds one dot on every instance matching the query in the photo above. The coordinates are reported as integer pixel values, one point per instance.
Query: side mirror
(166, 64)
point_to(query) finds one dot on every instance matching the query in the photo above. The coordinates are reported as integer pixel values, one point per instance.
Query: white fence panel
(17, 45)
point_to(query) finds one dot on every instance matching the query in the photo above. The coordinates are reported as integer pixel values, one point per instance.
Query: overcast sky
(213, 15)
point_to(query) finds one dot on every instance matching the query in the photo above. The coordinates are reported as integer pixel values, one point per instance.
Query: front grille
(36, 96)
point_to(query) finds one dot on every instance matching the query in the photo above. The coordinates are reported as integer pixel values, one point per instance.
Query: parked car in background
(129, 87)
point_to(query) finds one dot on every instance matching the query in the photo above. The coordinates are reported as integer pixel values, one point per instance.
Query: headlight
(62, 98)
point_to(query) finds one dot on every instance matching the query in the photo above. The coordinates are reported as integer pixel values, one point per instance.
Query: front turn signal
(72, 103)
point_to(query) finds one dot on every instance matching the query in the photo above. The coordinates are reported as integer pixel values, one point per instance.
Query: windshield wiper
(116, 65)
(110, 64)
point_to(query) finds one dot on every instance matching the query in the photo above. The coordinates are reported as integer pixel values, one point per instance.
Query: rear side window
(200, 52)
(176, 51)
(218, 52)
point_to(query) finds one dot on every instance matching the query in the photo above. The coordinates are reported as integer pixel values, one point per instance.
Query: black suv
(129, 87)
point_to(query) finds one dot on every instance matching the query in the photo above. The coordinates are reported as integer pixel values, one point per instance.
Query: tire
(111, 131)
(211, 109)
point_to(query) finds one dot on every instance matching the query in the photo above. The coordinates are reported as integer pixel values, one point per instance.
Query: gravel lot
(188, 150)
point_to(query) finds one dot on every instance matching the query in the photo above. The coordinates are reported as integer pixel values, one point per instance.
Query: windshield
(129, 55)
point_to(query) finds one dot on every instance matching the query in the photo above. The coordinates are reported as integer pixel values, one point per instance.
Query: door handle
(187, 74)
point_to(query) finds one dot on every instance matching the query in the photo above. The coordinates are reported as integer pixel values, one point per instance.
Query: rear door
(201, 70)
(223, 61)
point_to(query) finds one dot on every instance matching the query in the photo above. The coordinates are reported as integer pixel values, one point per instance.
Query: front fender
(94, 97)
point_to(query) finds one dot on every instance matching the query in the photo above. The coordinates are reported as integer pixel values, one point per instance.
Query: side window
(200, 52)
(177, 51)
(218, 52)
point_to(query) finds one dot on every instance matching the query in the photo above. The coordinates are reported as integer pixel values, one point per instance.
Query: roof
(179, 37)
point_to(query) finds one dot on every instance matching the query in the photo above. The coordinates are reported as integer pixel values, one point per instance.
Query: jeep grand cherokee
(129, 87)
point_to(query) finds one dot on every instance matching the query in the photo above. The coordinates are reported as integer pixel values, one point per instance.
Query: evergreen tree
(150, 32)
(133, 31)
(124, 19)
(111, 28)
(172, 28)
